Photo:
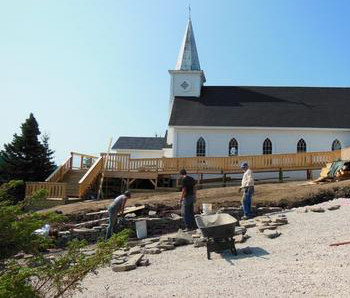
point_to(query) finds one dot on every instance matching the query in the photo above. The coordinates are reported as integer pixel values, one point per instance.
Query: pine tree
(26, 157)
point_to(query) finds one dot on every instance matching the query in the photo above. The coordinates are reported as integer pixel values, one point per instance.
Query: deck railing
(58, 174)
(76, 161)
(271, 162)
(55, 190)
(90, 176)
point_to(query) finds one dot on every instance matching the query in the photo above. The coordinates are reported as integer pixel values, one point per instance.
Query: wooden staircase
(72, 179)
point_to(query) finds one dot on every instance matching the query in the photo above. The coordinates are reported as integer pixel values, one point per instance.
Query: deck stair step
(72, 179)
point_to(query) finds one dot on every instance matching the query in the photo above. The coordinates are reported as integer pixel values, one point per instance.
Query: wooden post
(280, 176)
(224, 180)
(309, 174)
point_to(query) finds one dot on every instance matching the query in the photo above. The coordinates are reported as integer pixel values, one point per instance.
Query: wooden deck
(123, 167)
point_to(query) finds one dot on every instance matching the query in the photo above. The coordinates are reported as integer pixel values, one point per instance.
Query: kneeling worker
(248, 190)
(117, 207)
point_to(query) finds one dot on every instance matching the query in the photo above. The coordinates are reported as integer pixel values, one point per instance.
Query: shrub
(13, 191)
(43, 278)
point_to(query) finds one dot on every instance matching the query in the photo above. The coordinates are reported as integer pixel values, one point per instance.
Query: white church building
(242, 120)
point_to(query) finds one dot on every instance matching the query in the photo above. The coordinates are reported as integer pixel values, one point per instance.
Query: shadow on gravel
(246, 252)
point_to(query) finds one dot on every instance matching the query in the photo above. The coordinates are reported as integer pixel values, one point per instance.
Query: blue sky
(91, 70)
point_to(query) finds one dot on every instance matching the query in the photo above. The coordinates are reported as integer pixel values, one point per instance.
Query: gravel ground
(298, 263)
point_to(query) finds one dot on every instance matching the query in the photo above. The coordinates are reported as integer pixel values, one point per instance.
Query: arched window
(336, 145)
(301, 146)
(233, 147)
(267, 146)
(200, 147)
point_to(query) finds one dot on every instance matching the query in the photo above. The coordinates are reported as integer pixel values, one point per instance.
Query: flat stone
(263, 219)
(200, 242)
(129, 265)
(316, 209)
(166, 246)
(302, 210)
(130, 215)
(175, 216)
(333, 207)
(263, 228)
(20, 255)
(118, 261)
(153, 239)
(144, 262)
(150, 246)
(276, 224)
(271, 234)
(89, 253)
(240, 238)
(182, 238)
(240, 230)
(135, 250)
(282, 220)
(119, 253)
(152, 251)
(247, 223)
(152, 213)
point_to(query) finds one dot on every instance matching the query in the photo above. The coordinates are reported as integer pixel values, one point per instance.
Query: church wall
(250, 140)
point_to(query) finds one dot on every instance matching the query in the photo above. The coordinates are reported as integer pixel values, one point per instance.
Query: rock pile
(267, 225)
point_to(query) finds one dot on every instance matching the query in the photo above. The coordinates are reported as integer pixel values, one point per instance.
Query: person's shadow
(245, 252)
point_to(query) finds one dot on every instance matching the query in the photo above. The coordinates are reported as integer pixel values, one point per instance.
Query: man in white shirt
(117, 207)
(248, 189)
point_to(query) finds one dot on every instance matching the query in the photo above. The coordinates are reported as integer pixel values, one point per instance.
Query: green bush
(43, 278)
(13, 191)
(17, 227)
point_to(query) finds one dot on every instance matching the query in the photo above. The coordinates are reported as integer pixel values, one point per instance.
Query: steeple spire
(188, 56)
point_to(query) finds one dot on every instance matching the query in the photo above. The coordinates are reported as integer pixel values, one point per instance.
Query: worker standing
(248, 190)
(188, 198)
(117, 207)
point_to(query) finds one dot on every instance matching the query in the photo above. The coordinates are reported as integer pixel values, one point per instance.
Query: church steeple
(187, 79)
(188, 55)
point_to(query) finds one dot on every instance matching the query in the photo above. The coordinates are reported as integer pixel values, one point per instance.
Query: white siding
(250, 140)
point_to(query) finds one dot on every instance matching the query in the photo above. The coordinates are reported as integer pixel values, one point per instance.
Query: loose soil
(288, 194)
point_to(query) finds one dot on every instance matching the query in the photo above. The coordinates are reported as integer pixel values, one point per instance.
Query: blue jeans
(247, 201)
(112, 221)
(188, 213)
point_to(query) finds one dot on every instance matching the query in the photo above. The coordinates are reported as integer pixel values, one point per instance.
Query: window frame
(301, 146)
(267, 147)
(201, 147)
(233, 144)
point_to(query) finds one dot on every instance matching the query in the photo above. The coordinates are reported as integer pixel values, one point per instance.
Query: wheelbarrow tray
(216, 226)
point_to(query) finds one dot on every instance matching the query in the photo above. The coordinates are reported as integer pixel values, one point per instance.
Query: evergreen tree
(26, 157)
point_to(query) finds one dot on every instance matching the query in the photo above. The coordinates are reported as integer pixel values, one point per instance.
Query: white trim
(258, 128)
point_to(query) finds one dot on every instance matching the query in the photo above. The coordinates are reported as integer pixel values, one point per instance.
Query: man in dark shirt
(188, 198)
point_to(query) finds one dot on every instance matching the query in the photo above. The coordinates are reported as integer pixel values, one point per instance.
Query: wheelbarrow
(219, 229)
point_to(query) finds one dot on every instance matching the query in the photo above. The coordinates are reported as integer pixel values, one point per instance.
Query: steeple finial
(189, 12)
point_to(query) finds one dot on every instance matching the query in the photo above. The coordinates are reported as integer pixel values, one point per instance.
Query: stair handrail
(58, 174)
(90, 176)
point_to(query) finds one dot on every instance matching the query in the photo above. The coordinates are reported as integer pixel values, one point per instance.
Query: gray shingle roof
(140, 143)
(316, 107)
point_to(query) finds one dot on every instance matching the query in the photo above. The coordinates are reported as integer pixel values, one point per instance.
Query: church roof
(188, 56)
(311, 107)
(140, 143)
